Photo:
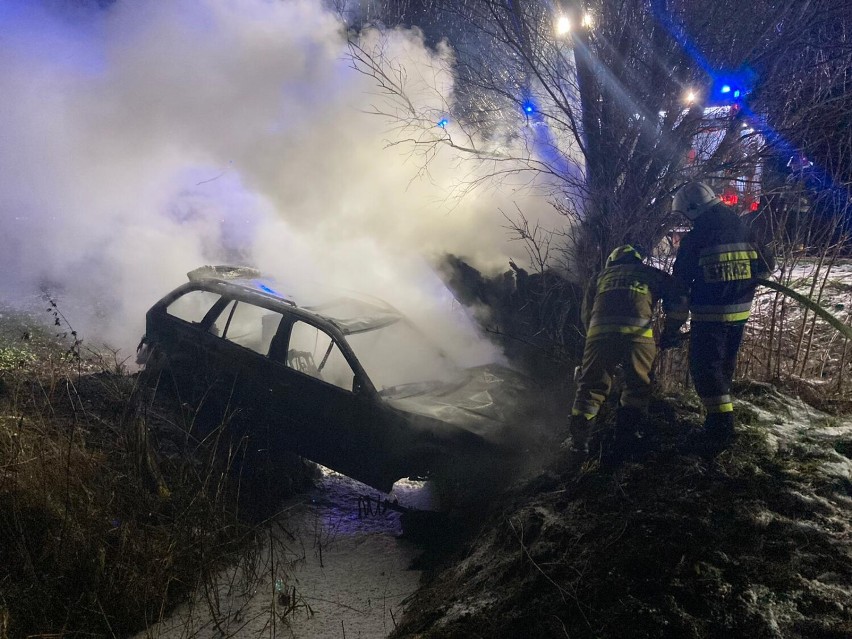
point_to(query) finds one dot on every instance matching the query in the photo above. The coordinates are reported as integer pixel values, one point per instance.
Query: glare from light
(690, 97)
(726, 88)
(443, 122)
(563, 25)
(588, 21)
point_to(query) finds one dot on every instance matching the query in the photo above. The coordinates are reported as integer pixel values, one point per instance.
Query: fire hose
(804, 300)
(810, 304)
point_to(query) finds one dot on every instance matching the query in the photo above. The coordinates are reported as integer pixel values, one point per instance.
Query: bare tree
(601, 105)
(609, 106)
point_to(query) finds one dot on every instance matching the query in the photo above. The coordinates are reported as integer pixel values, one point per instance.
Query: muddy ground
(754, 543)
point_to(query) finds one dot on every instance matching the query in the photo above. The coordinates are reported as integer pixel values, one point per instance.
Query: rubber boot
(580, 430)
(626, 437)
(718, 434)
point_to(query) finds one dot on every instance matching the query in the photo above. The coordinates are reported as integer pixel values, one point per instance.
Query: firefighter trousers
(713, 348)
(600, 358)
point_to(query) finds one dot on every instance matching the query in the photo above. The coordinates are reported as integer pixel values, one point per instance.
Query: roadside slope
(757, 542)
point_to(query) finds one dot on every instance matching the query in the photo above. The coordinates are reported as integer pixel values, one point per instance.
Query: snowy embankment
(754, 543)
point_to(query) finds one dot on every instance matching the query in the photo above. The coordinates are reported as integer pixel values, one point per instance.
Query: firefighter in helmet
(718, 260)
(617, 313)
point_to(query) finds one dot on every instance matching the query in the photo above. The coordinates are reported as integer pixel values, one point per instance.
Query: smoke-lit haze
(141, 141)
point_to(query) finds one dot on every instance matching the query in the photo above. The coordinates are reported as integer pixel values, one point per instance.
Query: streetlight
(563, 25)
(690, 97)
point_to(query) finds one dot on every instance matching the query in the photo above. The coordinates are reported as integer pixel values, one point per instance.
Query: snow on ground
(831, 284)
(332, 567)
(753, 543)
(791, 425)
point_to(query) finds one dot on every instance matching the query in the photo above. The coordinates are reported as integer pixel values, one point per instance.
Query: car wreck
(347, 382)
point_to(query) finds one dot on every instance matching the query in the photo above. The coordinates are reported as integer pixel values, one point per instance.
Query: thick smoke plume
(141, 140)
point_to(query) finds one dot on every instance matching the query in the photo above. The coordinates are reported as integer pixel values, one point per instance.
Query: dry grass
(109, 513)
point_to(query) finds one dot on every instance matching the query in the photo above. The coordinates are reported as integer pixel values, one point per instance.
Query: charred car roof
(349, 313)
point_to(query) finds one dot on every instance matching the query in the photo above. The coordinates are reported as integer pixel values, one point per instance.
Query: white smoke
(140, 141)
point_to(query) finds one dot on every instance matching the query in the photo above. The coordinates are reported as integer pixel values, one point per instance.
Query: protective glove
(670, 339)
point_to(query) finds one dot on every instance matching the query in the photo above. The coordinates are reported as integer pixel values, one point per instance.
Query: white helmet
(693, 198)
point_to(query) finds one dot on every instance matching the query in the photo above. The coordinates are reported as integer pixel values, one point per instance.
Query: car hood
(483, 400)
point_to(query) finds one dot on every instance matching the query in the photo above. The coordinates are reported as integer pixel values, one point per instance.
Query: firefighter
(617, 313)
(718, 260)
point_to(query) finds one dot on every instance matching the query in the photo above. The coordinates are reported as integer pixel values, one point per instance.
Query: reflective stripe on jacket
(625, 294)
(719, 261)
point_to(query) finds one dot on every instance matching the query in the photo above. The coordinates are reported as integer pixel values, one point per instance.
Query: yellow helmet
(625, 250)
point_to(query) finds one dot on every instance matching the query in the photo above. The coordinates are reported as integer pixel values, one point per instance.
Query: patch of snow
(468, 608)
(841, 469)
(327, 570)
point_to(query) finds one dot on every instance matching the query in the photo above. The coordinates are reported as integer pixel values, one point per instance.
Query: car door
(180, 330)
(236, 343)
(323, 407)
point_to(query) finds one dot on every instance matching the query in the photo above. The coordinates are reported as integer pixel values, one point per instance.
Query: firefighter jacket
(622, 299)
(719, 260)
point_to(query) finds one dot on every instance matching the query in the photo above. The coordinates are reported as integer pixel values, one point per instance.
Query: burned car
(347, 382)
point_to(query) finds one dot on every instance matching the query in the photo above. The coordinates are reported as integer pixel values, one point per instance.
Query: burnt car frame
(290, 380)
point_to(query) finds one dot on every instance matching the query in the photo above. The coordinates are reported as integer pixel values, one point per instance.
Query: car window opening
(252, 327)
(308, 344)
(192, 306)
(303, 361)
